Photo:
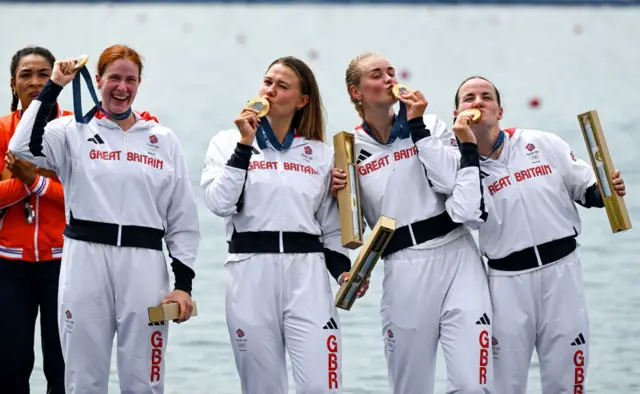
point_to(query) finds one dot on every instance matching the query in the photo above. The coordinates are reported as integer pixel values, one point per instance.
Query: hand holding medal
(64, 71)
(473, 114)
(461, 127)
(260, 105)
(247, 122)
(414, 100)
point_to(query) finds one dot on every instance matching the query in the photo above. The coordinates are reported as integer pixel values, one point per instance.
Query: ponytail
(14, 101)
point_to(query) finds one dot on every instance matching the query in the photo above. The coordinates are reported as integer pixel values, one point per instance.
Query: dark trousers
(25, 287)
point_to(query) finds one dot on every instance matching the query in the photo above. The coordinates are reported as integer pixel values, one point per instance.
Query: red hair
(116, 52)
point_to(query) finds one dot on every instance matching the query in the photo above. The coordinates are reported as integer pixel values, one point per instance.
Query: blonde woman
(435, 286)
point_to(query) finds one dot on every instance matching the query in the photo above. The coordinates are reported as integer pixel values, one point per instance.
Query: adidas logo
(331, 325)
(578, 341)
(483, 174)
(96, 139)
(362, 156)
(160, 323)
(484, 319)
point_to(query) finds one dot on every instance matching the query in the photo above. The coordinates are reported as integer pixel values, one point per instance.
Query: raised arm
(466, 203)
(225, 171)
(37, 138)
(224, 176)
(439, 156)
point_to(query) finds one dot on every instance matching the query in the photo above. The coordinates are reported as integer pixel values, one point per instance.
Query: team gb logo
(152, 145)
(306, 154)
(534, 154)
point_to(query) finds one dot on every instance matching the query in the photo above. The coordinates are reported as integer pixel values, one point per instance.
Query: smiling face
(119, 85)
(370, 80)
(281, 87)
(480, 94)
(32, 72)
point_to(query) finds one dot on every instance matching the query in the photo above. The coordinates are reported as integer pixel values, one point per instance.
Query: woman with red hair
(127, 189)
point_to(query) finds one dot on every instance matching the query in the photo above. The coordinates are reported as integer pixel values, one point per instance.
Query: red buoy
(534, 102)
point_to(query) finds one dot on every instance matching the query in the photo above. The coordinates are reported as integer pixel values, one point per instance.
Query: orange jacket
(42, 239)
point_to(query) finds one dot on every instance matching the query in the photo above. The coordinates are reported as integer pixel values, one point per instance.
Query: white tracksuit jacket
(528, 194)
(280, 192)
(393, 181)
(137, 178)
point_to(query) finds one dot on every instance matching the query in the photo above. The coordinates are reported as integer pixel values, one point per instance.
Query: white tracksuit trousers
(544, 308)
(103, 290)
(437, 294)
(284, 301)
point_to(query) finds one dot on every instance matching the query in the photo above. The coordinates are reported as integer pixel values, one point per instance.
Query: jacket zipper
(124, 160)
(37, 226)
(280, 168)
(397, 184)
(526, 212)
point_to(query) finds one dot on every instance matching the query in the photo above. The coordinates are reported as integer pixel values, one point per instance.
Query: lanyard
(400, 128)
(77, 100)
(496, 146)
(265, 132)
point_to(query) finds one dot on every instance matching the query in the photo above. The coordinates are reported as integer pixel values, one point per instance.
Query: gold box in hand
(167, 312)
(349, 196)
(366, 261)
(603, 166)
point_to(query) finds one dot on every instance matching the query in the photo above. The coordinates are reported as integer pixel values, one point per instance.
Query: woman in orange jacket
(32, 219)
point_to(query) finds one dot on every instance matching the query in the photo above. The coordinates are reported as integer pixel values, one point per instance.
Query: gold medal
(81, 61)
(399, 88)
(259, 104)
(474, 112)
